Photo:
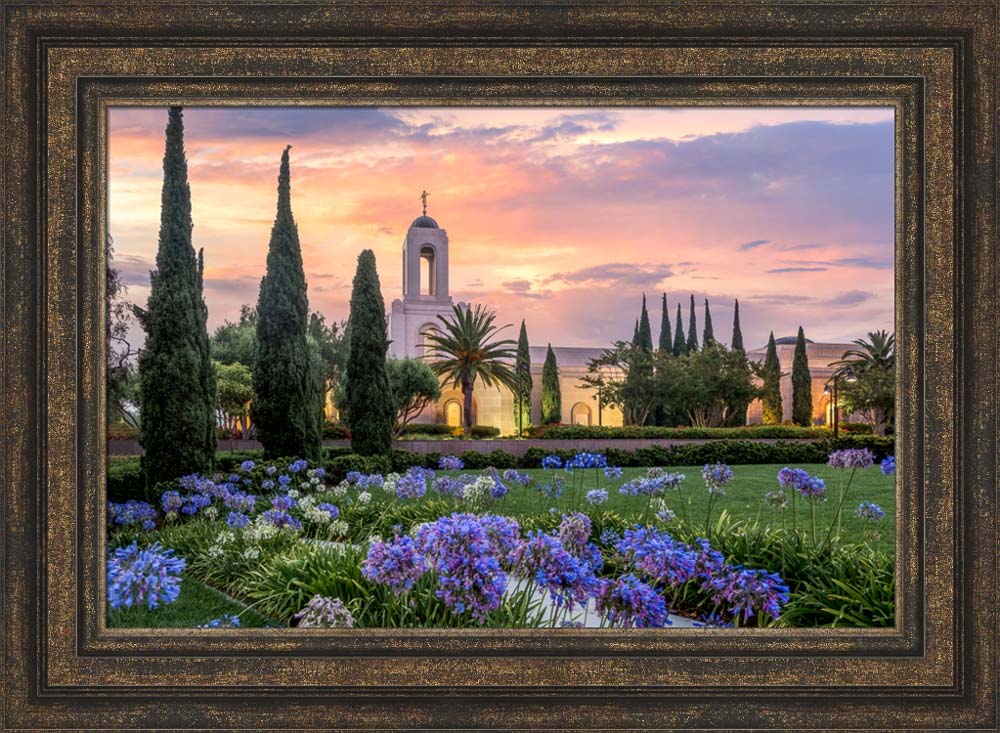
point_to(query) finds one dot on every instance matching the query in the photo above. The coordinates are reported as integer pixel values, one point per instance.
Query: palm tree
(465, 350)
(879, 352)
(870, 380)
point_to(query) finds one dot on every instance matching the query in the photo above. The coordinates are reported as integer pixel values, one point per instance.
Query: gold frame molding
(65, 63)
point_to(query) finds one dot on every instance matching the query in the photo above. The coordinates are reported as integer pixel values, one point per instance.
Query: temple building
(426, 296)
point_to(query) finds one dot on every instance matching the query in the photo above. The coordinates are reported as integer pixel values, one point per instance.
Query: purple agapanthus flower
(552, 462)
(851, 458)
(748, 593)
(569, 579)
(397, 564)
(247, 466)
(716, 476)
(596, 497)
(451, 463)
(628, 602)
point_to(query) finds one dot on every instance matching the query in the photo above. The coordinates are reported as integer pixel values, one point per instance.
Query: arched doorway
(453, 413)
(581, 414)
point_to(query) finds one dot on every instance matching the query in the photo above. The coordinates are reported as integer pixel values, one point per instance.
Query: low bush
(122, 431)
(125, 480)
(430, 429)
(335, 431)
(604, 432)
(485, 431)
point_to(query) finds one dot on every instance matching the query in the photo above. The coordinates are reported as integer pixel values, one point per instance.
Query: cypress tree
(692, 342)
(737, 342)
(645, 333)
(802, 405)
(680, 345)
(369, 400)
(176, 376)
(551, 394)
(666, 342)
(708, 335)
(771, 388)
(285, 383)
(635, 333)
(522, 372)
(738, 409)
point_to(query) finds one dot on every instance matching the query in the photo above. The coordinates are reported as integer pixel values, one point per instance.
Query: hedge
(125, 475)
(599, 432)
(418, 430)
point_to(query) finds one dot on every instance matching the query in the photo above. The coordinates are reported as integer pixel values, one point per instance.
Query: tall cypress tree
(666, 342)
(635, 333)
(708, 335)
(522, 373)
(737, 342)
(285, 383)
(692, 342)
(551, 393)
(369, 398)
(771, 389)
(680, 345)
(176, 376)
(802, 404)
(645, 333)
(738, 409)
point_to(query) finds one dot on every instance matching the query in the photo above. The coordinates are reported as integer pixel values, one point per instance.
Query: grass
(743, 500)
(197, 604)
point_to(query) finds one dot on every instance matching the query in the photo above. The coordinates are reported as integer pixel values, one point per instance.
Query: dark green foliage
(236, 343)
(802, 406)
(369, 397)
(551, 393)
(770, 374)
(737, 342)
(125, 480)
(708, 335)
(680, 344)
(664, 347)
(522, 375)
(645, 333)
(666, 341)
(176, 377)
(414, 386)
(605, 432)
(692, 340)
(287, 386)
(738, 411)
(635, 333)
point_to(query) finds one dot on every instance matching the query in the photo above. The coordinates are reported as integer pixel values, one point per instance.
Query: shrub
(122, 431)
(125, 480)
(338, 468)
(474, 460)
(441, 429)
(333, 431)
(605, 432)
(485, 431)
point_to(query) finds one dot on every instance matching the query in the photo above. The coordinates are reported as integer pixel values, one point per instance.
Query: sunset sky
(560, 216)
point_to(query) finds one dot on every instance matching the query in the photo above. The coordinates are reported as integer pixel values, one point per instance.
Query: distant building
(820, 357)
(426, 296)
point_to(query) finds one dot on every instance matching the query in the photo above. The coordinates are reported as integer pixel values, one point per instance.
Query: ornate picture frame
(65, 64)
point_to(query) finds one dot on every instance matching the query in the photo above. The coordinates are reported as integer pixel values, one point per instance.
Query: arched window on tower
(425, 346)
(428, 271)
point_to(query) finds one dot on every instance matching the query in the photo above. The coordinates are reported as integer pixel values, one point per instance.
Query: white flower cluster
(364, 497)
(211, 513)
(389, 485)
(307, 505)
(480, 492)
(338, 528)
(341, 489)
(260, 530)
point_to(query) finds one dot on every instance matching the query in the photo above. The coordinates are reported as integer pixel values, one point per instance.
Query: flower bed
(452, 547)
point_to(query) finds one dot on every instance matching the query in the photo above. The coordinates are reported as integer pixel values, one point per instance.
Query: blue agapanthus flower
(585, 459)
(451, 463)
(629, 602)
(131, 513)
(330, 509)
(869, 512)
(236, 520)
(889, 465)
(247, 466)
(596, 497)
(552, 462)
(148, 576)
(227, 621)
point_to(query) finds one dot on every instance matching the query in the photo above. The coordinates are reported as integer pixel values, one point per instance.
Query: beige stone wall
(820, 357)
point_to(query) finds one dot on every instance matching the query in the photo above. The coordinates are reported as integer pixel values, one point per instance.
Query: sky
(561, 216)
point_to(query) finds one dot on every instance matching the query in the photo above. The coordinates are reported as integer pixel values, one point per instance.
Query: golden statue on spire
(423, 197)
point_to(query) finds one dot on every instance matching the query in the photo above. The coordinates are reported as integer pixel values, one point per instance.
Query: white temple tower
(425, 288)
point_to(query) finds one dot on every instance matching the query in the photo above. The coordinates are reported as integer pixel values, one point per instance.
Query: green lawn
(197, 604)
(743, 500)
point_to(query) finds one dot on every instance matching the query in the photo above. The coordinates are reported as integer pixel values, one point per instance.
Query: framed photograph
(475, 366)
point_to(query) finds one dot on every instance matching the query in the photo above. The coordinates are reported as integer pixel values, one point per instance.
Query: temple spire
(423, 198)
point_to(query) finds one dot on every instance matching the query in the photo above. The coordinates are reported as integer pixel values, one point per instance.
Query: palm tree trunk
(467, 408)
